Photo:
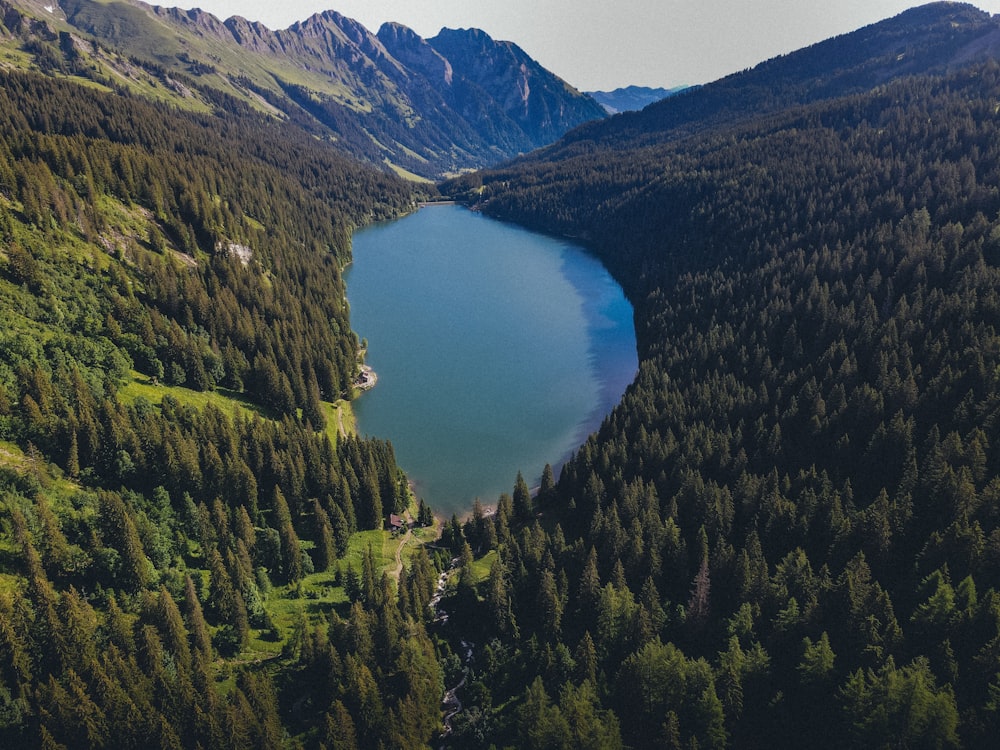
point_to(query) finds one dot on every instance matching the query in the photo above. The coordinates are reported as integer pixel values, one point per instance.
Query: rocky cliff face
(539, 102)
(458, 101)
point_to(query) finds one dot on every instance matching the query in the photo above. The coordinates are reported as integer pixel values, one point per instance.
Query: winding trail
(399, 549)
(451, 705)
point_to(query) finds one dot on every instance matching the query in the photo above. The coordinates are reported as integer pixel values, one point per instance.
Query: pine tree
(549, 606)
(498, 602)
(586, 660)
(122, 535)
(73, 456)
(698, 605)
(312, 409)
(226, 602)
(171, 625)
(547, 487)
(338, 730)
(196, 625)
(326, 548)
(523, 504)
(291, 553)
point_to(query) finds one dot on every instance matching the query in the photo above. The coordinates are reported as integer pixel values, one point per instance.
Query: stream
(451, 705)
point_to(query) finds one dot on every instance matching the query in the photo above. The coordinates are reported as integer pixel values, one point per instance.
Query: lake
(497, 350)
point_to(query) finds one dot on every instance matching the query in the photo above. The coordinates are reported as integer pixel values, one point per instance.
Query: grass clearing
(229, 402)
(340, 418)
(481, 567)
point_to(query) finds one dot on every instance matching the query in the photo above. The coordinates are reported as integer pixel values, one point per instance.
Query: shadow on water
(612, 349)
(498, 349)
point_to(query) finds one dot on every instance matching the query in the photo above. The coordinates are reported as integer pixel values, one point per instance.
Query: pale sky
(605, 44)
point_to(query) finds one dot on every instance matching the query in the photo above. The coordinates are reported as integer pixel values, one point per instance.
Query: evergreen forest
(178, 571)
(787, 533)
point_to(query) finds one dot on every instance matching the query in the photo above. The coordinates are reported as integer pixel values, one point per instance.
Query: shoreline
(366, 379)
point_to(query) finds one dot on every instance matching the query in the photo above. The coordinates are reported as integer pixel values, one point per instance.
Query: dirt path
(399, 553)
(340, 422)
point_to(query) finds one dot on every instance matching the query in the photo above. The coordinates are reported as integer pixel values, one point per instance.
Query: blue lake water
(497, 349)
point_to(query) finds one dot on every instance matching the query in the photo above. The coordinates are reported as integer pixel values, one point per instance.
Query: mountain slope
(173, 514)
(527, 94)
(790, 526)
(926, 39)
(331, 74)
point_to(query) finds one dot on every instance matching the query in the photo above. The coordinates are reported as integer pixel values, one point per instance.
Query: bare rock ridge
(427, 106)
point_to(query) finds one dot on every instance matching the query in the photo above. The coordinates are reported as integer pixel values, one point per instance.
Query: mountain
(928, 39)
(789, 527)
(422, 107)
(631, 98)
(787, 533)
(174, 470)
(528, 95)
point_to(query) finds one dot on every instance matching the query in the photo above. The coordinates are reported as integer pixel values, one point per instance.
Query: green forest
(786, 534)
(789, 527)
(172, 574)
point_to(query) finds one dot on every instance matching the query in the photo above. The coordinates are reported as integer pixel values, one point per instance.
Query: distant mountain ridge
(632, 98)
(427, 107)
(932, 38)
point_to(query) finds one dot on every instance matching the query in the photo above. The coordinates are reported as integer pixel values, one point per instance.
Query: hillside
(421, 107)
(928, 39)
(787, 534)
(180, 526)
(788, 530)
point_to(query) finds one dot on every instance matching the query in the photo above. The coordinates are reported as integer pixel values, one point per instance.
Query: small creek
(451, 704)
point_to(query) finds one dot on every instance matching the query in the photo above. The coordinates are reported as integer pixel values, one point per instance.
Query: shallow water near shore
(497, 349)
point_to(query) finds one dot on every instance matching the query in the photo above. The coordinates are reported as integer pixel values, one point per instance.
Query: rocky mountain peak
(458, 101)
(195, 18)
(413, 51)
(533, 97)
(250, 34)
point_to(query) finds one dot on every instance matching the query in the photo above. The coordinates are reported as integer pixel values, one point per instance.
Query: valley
(785, 531)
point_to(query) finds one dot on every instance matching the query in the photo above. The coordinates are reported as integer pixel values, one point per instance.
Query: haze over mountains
(426, 107)
(631, 98)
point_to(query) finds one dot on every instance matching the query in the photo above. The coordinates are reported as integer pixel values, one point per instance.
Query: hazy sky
(604, 44)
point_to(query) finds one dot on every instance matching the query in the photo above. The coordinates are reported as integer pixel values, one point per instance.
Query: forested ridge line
(173, 576)
(790, 526)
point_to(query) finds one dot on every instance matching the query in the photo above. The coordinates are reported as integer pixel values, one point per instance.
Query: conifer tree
(122, 535)
(291, 554)
(498, 602)
(547, 486)
(226, 602)
(195, 618)
(326, 547)
(522, 502)
(586, 660)
(339, 732)
(171, 625)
